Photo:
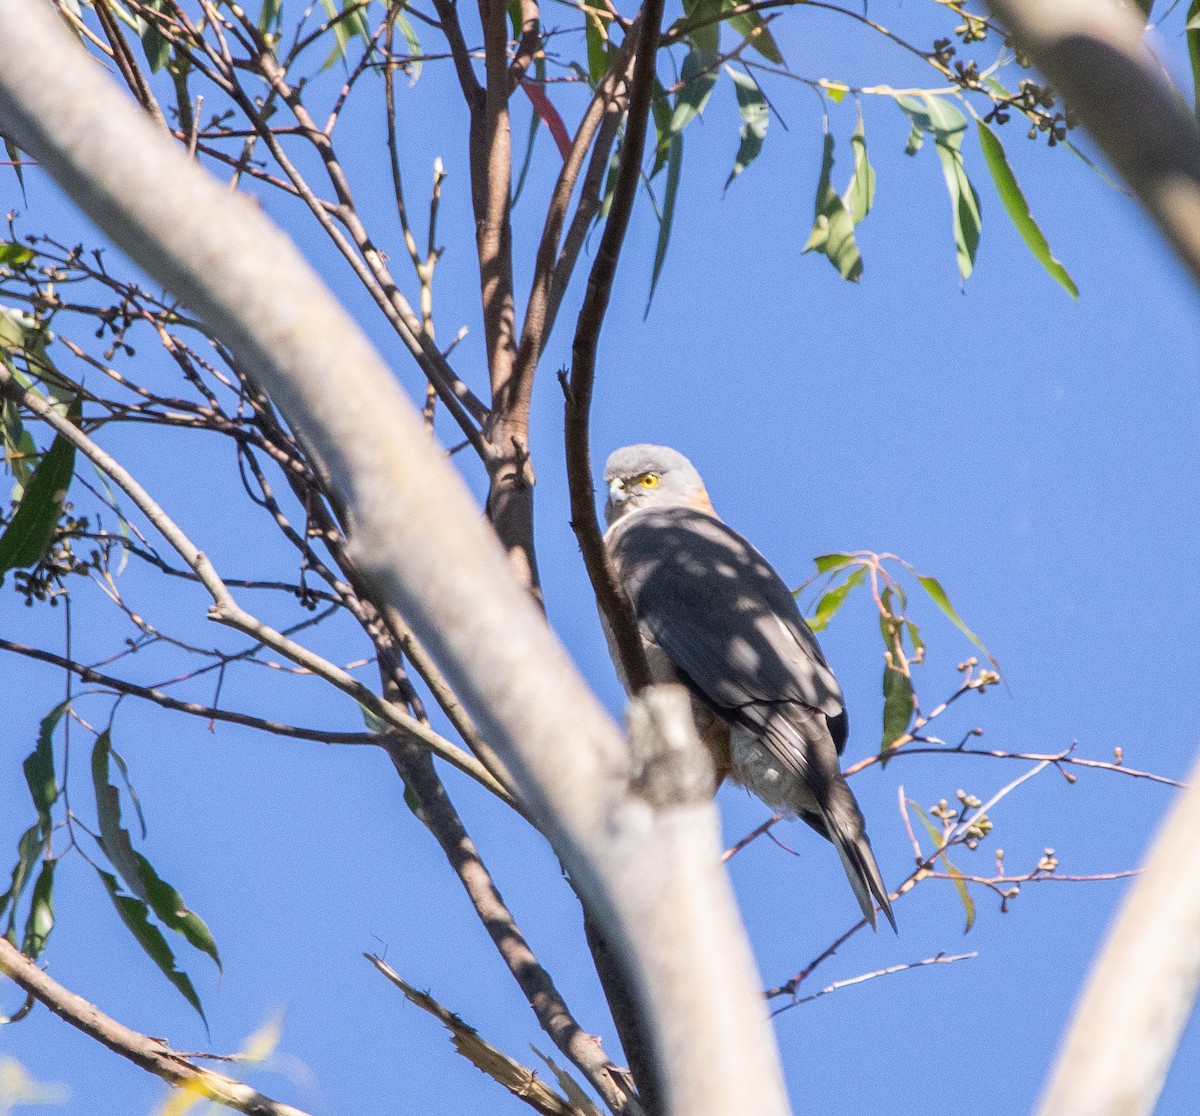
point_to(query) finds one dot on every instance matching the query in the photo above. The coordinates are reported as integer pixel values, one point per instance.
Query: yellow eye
(648, 480)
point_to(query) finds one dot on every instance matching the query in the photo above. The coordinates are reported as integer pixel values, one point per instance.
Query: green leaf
(660, 107)
(1017, 208)
(114, 838)
(752, 108)
(1193, 43)
(897, 706)
(753, 28)
(940, 119)
(933, 587)
(596, 22)
(39, 768)
(834, 598)
(13, 254)
(960, 884)
(346, 25)
(708, 37)
(169, 906)
(827, 562)
(698, 76)
(157, 48)
(674, 168)
(964, 894)
(30, 531)
(29, 848)
(833, 226)
(14, 156)
(135, 914)
(860, 193)
(414, 47)
(269, 16)
(41, 912)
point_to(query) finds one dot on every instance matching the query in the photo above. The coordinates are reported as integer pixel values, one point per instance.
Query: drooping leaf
(956, 877)
(13, 254)
(346, 24)
(135, 914)
(41, 912)
(29, 848)
(30, 531)
(860, 193)
(1193, 44)
(833, 226)
(596, 21)
(414, 45)
(707, 36)
(268, 17)
(113, 836)
(964, 894)
(752, 108)
(20, 451)
(753, 28)
(674, 169)
(897, 706)
(933, 587)
(39, 769)
(14, 157)
(827, 562)
(661, 110)
(834, 598)
(169, 906)
(154, 43)
(698, 75)
(544, 108)
(1017, 208)
(947, 125)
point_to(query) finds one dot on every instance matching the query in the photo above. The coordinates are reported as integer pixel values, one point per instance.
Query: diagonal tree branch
(151, 1054)
(614, 605)
(641, 844)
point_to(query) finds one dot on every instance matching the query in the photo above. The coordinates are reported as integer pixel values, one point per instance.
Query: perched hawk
(717, 618)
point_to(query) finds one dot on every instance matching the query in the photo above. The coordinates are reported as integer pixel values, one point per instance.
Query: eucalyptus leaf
(30, 531)
(897, 707)
(39, 769)
(135, 914)
(832, 232)
(1017, 208)
(937, 117)
(698, 76)
(674, 170)
(752, 108)
(41, 912)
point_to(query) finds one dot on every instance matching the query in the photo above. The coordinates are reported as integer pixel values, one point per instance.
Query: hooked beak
(616, 497)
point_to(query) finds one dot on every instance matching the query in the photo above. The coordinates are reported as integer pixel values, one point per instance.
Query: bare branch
(131, 689)
(522, 1082)
(614, 605)
(151, 1054)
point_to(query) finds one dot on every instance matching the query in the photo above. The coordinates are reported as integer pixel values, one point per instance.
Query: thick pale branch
(1143, 986)
(646, 861)
(151, 1054)
(1092, 52)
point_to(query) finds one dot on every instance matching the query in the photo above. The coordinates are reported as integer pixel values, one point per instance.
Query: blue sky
(1038, 455)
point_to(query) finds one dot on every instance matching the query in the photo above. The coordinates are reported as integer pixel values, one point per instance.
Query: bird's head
(646, 476)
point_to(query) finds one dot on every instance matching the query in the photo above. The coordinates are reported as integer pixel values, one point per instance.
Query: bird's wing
(720, 612)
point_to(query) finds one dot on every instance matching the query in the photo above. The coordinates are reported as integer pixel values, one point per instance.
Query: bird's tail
(843, 822)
